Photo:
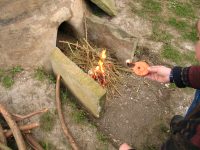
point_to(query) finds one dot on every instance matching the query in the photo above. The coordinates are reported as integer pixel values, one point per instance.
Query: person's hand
(159, 73)
(124, 147)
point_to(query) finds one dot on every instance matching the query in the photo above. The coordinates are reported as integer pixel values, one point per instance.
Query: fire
(103, 54)
(100, 63)
(98, 73)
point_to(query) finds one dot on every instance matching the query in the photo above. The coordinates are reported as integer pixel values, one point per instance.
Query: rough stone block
(106, 5)
(82, 86)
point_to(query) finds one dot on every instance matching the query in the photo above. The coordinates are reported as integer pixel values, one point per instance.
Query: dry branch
(14, 128)
(61, 117)
(4, 147)
(87, 57)
(2, 136)
(9, 133)
(33, 142)
(21, 117)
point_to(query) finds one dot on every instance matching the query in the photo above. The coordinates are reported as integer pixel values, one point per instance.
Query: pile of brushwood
(87, 56)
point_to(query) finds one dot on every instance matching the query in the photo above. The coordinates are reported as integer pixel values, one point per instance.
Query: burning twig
(61, 117)
(21, 117)
(9, 133)
(14, 128)
(33, 142)
(104, 69)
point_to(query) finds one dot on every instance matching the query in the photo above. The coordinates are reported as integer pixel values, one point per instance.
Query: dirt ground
(29, 94)
(140, 116)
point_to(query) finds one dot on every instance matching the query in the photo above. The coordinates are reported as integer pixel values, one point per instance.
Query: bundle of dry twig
(87, 57)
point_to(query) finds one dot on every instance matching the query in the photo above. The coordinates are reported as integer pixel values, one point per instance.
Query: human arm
(182, 77)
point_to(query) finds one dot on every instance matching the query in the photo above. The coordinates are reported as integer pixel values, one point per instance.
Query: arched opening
(65, 33)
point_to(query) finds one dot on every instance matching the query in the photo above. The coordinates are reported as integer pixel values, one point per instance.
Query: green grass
(64, 96)
(7, 81)
(190, 35)
(47, 145)
(187, 31)
(150, 10)
(151, 6)
(172, 86)
(181, 9)
(160, 35)
(190, 57)
(102, 137)
(41, 75)
(169, 52)
(16, 70)
(150, 147)
(47, 121)
(7, 75)
(179, 25)
(79, 116)
(164, 128)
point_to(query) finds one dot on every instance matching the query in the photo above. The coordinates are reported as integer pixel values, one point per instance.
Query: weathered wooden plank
(83, 87)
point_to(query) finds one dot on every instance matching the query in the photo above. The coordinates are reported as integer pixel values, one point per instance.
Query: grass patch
(79, 116)
(7, 81)
(179, 25)
(47, 121)
(169, 52)
(181, 9)
(151, 6)
(64, 96)
(191, 35)
(190, 57)
(172, 86)
(47, 146)
(41, 75)
(7, 75)
(102, 137)
(16, 70)
(161, 36)
(150, 147)
(164, 128)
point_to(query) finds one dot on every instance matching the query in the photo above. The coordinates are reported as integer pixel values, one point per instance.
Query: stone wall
(28, 29)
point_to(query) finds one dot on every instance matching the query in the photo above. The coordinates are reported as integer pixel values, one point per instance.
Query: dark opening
(65, 33)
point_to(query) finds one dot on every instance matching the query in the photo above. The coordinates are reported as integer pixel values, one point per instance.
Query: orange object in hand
(141, 68)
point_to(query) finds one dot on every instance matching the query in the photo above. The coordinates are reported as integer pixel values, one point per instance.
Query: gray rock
(104, 35)
(84, 88)
(28, 29)
(106, 5)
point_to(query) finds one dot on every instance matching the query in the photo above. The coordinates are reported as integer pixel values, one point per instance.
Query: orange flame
(100, 63)
(98, 73)
(103, 54)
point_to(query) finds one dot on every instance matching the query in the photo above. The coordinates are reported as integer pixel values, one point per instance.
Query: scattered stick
(2, 136)
(21, 117)
(61, 117)
(33, 142)
(14, 128)
(8, 133)
(4, 147)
